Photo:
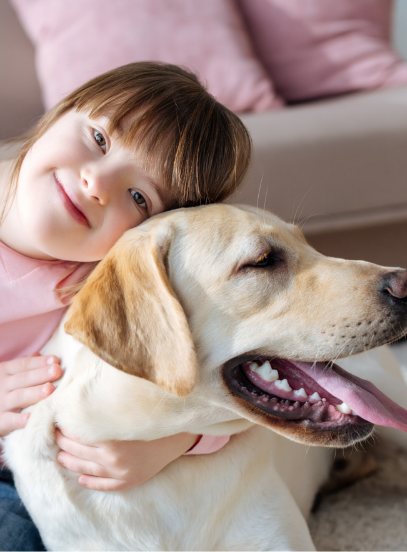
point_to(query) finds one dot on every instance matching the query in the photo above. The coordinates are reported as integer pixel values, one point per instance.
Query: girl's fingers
(103, 483)
(75, 448)
(81, 466)
(10, 421)
(33, 377)
(72, 437)
(29, 363)
(26, 396)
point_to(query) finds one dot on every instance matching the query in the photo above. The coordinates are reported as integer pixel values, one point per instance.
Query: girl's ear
(128, 314)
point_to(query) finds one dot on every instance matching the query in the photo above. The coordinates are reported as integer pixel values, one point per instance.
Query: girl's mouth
(69, 205)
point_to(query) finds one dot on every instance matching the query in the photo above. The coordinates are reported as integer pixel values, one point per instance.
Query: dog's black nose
(394, 285)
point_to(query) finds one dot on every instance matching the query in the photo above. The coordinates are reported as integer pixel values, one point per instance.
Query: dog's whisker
(301, 202)
(306, 453)
(159, 402)
(264, 205)
(291, 219)
(302, 222)
(258, 194)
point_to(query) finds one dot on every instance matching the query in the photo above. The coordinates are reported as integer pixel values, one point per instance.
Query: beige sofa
(339, 166)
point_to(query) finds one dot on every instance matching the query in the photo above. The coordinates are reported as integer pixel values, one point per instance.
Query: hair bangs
(196, 147)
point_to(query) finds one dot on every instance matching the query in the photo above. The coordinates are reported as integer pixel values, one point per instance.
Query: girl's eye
(100, 139)
(139, 199)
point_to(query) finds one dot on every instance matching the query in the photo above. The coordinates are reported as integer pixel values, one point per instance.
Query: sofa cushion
(318, 48)
(78, 40)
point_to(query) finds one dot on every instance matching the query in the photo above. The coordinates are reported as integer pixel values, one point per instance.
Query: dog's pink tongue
(360, 395)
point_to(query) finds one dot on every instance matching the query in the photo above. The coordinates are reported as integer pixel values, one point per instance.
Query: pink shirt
(30, 310)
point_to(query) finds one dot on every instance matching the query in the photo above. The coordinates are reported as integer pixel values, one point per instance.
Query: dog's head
(233, 300)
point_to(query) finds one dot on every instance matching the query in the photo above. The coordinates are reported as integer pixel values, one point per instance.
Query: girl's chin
(58, 241)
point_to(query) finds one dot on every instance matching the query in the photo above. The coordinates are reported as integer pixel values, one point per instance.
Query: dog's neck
(121, 406)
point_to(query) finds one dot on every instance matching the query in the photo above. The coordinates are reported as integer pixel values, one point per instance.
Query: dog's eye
(265, 260)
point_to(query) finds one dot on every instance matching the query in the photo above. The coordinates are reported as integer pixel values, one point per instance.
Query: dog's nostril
(394, 285)
(395, 295)
(392, 298)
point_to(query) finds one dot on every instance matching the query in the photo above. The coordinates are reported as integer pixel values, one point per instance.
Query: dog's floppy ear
(128, 315)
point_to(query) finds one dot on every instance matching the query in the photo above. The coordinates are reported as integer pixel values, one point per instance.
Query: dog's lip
(368, 402)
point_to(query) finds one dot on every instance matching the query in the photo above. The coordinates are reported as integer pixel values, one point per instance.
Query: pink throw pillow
(77, 40)
(317, 48)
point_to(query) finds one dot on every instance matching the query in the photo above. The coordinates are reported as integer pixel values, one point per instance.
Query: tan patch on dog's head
(128, 315)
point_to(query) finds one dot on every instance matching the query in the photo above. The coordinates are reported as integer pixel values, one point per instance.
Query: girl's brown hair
(200, 148)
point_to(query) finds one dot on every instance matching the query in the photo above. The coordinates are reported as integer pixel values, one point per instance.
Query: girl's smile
(78, 191)
(70, 205)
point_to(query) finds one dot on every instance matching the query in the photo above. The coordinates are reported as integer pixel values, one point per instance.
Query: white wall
(400, 27)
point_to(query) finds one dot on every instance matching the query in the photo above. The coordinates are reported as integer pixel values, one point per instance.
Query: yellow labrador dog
(213, 320)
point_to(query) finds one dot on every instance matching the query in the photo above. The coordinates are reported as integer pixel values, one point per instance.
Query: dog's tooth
(301, 393)
(283, 385)
(315, 397)
(265, 371)
(344, 408)
(253, 367)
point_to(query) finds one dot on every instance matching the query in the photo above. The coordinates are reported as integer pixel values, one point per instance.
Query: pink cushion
(77, 40)
(315, 48)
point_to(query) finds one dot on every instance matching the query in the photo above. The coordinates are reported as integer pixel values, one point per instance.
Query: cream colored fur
(186, 301)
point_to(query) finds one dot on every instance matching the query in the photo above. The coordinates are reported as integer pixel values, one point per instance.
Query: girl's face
(79, 189)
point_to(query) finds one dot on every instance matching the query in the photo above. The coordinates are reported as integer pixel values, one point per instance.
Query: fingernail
(45, 389)
(83, 481)
(50, 360)
(60, 458)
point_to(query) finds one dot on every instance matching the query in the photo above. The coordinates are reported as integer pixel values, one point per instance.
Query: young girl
(127, 145)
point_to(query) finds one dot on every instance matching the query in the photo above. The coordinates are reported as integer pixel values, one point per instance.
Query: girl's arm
(108, 466)
(119, 465)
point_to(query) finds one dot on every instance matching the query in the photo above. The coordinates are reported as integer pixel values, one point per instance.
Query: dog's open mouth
(321, 394)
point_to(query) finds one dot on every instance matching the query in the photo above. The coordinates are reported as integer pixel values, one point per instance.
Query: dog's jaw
(311, 422)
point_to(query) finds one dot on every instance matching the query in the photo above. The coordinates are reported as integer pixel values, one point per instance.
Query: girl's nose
(97, 185)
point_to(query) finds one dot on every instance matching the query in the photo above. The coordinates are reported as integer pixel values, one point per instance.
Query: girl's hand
(23, 382)
(119, 465)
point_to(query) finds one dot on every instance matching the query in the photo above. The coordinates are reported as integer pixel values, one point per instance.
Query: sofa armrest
(337, 164)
